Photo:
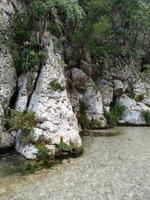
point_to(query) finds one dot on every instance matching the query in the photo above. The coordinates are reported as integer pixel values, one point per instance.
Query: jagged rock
(79, 78)
(86, 67)
(93, 101)
(75, 99)
(7, 70)
(118, 87)
(51, 105)
(139, 88)
(25, 85)
(133, 111)
(106, 90)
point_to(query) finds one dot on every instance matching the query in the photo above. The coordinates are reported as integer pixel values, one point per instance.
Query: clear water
(12, 164)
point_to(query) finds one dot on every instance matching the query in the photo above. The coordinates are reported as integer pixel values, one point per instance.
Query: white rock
(93, 100)
(133, 111)
(6, 140)
(52, 107)
(80, 78)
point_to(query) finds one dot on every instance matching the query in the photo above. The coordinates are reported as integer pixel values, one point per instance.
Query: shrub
(114, 115)
(146, 115)
(42, 152)
(38, 15)
(24, 121)
(139, 97)
(63, 147)
(83, 120)
(57, 86)
(95, 124)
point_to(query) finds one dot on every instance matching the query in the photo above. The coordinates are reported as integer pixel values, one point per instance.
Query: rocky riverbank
(111, 168)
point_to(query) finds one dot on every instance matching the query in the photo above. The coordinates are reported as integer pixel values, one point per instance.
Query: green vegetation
(83, 120)
(29, 25)
(139, 97)
(24, 121)
(146, 115)
(95, 124)
(114, 115)
(63, 147)
(115, 27)
(56, 86)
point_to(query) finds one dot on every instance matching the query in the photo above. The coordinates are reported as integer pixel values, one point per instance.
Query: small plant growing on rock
(146, 115)
(95, 124)
(42, 152)
(139, 97)
(115, 114)
(83, 120)
(63, 147)
(24, 121)
(56, 86)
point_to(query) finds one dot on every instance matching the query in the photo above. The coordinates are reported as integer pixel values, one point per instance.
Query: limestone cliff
(61, 98)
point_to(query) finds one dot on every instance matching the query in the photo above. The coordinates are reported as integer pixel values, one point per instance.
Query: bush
(114, 115)
(83, 120)
(139, 97)
(56, 86)
(24, 121)
(63, 147)
(39, 13)
(146, 115)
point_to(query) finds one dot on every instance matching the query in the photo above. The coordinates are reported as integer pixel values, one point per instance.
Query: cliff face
(42, 92)
(89, 91)
(7, 70)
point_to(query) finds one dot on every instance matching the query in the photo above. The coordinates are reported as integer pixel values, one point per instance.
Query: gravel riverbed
(111, 168)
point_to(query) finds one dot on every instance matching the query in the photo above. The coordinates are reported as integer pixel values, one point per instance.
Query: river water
(111, 168)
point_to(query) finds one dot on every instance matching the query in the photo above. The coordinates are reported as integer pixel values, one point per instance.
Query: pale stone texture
(52, 108)
(79, 78)
(133, 111)
(7, 70)
(26, 83)
(93, 101)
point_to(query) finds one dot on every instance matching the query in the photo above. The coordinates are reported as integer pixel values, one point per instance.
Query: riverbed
(111, 168)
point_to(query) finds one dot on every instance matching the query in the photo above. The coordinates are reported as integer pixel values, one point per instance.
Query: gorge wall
(60, 98)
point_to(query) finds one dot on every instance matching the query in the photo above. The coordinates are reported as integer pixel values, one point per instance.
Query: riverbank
(111, 168)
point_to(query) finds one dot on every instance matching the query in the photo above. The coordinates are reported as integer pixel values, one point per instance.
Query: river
(111, 168)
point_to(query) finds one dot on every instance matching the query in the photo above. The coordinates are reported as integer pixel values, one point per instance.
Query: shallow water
(111, 168)
(11, 164)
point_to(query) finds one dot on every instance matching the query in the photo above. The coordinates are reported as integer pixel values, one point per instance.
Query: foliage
(139, 97)
(146, 115)
(63, 147)
(117, 27)
(115, 114)
(39, 16)
(56, 86)
(83, 120)
(42, 152)
(24, 121)
(95, 124)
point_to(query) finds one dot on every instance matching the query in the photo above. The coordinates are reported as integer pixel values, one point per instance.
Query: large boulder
(55, 118)
(133, 111)
(7, 70)
(79, 78)
(93, 100)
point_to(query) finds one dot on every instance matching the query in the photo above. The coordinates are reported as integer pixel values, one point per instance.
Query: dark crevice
(36, 80)
(13, 99)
